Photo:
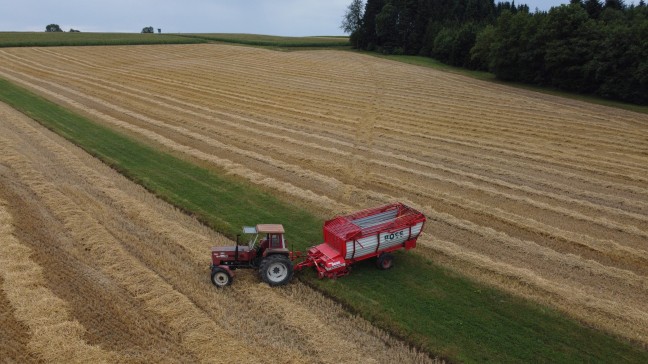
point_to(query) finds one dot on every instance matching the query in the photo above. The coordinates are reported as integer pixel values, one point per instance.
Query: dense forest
(585, 46)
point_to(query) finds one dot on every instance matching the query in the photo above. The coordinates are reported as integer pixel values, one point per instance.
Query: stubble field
(541, 196)
(95, 269)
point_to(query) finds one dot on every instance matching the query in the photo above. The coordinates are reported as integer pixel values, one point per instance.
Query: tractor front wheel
(220, 278)
(276, 270)
(385, 261)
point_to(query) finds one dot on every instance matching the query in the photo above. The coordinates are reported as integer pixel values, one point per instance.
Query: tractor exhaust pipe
(236, 253)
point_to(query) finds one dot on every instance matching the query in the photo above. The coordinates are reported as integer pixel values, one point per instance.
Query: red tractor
(375, 232)
(270, 256)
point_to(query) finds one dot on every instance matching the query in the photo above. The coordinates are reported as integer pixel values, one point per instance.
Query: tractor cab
(272, 239)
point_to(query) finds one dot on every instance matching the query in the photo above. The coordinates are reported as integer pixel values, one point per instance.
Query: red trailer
(362, 235)
(365, 234)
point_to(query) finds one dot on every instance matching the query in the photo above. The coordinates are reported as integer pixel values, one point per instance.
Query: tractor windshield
(252, 234)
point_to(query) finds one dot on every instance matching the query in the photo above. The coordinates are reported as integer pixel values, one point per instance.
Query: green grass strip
(57, 39)
(274, 41)
(431, 307)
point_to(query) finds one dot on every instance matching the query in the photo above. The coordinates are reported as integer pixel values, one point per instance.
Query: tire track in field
(221, 92)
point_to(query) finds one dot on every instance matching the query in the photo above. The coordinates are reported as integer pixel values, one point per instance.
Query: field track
(95, 269)
(543, 196)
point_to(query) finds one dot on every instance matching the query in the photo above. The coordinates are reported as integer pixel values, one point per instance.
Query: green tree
(480, 52)
(568, 30)
(614, 4)
(508, 45)
(594, 8)
(464, 41)
(53, 28)
(416, 41)
(387, 28)
(532, 55)
(147, 30)
(621, 65)
(367, 37)
(431, 31)
(353, 17)
(452, 45)
(406, 30)
(352, 21)
(443, 44)
(593, 46)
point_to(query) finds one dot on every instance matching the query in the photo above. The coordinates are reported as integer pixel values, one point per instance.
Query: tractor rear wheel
(220, 277)
(385, 261)
(276, 270)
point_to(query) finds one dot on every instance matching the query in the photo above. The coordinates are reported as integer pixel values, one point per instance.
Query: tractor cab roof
(264, 229)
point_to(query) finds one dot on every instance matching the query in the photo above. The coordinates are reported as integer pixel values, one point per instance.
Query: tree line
(585, 46)
(52, 28)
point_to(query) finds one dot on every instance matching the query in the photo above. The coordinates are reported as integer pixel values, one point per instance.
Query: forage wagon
(370, 233)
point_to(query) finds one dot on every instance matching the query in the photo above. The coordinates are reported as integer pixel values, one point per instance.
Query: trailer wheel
(385, 261)
(220, 277)
(276, 270)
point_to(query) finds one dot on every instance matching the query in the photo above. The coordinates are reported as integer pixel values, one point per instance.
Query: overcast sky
(275, 17)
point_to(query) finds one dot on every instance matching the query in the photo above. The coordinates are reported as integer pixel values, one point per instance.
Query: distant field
(43, 39)
(274, 41)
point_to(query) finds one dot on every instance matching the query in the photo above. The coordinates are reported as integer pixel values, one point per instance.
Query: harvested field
(542, 196)
(95, 269)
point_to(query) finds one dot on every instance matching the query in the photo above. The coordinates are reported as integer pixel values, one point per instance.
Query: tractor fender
(273, 251)
(226, 268)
